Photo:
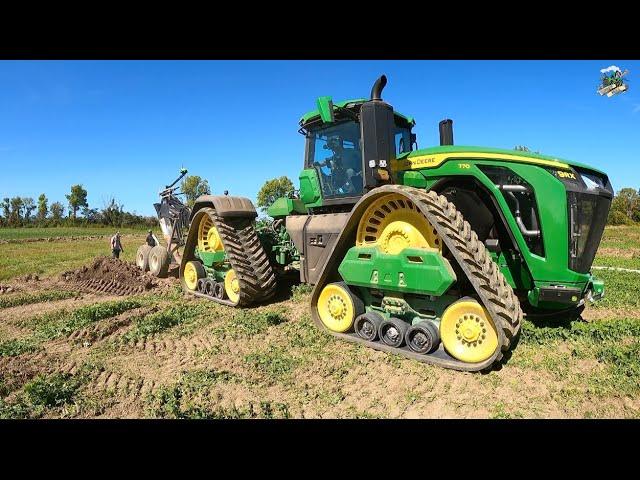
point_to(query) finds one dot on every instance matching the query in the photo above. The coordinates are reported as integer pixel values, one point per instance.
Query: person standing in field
(152, 240)
(116, 245)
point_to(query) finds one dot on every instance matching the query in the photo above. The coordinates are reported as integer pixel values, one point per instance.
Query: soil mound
(111, 275)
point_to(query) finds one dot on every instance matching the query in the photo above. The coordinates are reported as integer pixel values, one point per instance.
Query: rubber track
(492, 288)
(247, 257)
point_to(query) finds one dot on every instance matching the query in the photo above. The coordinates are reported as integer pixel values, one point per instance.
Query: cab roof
(312, 115)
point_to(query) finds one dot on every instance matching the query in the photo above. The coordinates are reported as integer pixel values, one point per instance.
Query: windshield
(334, 152)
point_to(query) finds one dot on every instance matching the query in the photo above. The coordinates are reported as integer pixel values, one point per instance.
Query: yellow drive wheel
(336, 308)
(193, 271)
(208, 237)
(393, 223)
(232, 286)
(467, 331)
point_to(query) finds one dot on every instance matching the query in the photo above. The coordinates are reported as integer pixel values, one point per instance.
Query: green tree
(274, 189)
(57, 211)
(16, 211)
(626, 201)
(6, 208)
(77, 199)
(112, 213)
(193, 186)
(43, 208)
(29, 206)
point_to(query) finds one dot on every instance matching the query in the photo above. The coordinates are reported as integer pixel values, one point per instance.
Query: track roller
(422, 337)
(218, 291)
(367, 325)
(392, 332)
(209, 285)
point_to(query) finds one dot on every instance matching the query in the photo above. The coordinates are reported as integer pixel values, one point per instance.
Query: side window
(402, 141)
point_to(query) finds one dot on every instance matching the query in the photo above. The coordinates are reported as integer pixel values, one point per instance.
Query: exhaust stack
(446, 132)
(376, 90)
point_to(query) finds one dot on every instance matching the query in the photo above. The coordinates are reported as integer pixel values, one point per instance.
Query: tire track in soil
(111, 327)
(10, 315)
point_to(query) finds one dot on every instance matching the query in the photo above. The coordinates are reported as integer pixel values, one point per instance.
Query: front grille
(587, 218)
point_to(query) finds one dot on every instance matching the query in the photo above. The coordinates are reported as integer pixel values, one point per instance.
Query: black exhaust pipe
(376, 91)
(446, 132)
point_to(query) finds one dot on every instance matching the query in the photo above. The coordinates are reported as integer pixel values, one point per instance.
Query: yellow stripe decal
(435, 160)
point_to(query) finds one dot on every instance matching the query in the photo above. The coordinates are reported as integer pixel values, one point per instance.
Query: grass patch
(247, 323)
(7, 233)
(45, 392)
(15, 347)
(51, 258)
(31, 298)
(275, 362)
(622, 289)
(299, 292)
(542, 333)
(621, 237)
(160, 321)
(62, 323)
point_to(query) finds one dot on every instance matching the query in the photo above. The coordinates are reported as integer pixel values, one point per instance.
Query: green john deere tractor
(432, 253)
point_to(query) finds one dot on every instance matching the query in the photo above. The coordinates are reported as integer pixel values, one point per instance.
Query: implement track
(244, 253)
(490, 285)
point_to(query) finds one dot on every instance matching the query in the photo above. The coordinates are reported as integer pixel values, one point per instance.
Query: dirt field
(68, 353)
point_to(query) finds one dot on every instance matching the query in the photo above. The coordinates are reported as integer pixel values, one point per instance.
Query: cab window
(334, 152)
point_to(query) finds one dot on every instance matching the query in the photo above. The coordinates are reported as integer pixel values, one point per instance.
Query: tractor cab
(349, 149)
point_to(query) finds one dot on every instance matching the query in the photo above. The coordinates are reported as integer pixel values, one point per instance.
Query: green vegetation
(42, 394)
(622, 289)
(62, 323)
(11, 233)
(299, 292)
(625, 209)
(15, 347)
(148, 325)
(247, 323)
(39, 297)
(273, 189)
(51, 258)
(275, 362)
(193, 186)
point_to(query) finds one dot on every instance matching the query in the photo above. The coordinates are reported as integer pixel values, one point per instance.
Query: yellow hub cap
(208, 237)
(232, 286)
(335, 308)
(467, 332)
(393, 223)
(191, 276)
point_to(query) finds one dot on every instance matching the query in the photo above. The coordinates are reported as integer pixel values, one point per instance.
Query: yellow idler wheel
(393, 223)
(232, 286)
(467, 331)
(193, 271)
(337, 308)
(208, 237)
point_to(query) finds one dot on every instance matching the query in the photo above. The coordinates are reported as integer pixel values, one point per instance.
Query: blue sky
(124, 128)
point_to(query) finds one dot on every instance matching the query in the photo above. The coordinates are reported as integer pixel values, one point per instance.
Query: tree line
(25, 212)
(625, 208)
